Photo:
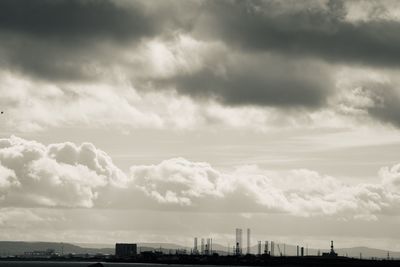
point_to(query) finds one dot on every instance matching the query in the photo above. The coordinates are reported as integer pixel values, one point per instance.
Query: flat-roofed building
(125, 250)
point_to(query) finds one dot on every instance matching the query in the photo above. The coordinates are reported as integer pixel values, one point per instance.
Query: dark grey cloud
(311, 31)
(72, 40)
(54, 60)
(48, 60)
(321, 32)
(263, 80)
(69, 19)
(386, 98)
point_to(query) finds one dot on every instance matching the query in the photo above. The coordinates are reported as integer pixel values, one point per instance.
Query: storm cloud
(264, 80)
(70, 40)
(314, 30)
(74, 20)
(386, 102)
(269, 53)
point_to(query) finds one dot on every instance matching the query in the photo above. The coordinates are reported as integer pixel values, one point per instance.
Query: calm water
(76, 264)
(83, 264)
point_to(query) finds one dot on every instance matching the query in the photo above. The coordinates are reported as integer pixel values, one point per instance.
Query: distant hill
(93, 245)
(19, 247)
(171, 248)
(367, 253)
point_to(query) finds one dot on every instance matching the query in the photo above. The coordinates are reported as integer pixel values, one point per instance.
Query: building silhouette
(125, 250)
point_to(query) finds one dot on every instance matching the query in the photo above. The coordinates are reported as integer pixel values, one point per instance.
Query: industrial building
(331, 253)
(125, 250)
(206, 246)
(48, 253)
(239, 244)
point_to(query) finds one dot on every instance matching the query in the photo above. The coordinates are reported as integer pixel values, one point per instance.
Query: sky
(159, 121)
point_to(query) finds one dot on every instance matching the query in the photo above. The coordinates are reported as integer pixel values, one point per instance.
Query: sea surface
(85, 264)
(80, 264)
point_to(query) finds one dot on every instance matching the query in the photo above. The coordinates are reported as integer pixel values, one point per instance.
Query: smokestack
(272, 248)
(248, 240)
(195, 251)
(239, 241)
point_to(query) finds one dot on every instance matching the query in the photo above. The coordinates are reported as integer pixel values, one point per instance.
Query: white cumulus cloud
(65, 175)
(299, 192)
(69, 175)
(177, 180)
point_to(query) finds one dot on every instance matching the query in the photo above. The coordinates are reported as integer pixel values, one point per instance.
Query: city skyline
(158, 121)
